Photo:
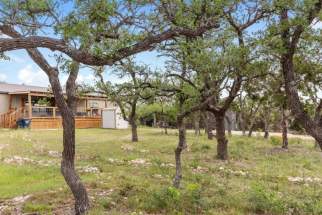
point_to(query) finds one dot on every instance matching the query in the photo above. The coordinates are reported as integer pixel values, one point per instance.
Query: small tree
(130, 93)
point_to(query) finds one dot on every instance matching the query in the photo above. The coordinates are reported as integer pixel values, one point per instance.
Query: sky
(20, 69)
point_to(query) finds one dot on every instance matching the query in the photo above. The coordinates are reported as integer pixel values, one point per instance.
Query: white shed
(112, 118)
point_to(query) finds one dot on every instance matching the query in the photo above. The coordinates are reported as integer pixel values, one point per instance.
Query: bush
(275, 141)
(174, 201)
(262, 200)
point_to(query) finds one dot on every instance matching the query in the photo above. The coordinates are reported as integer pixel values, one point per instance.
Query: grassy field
(126, 178)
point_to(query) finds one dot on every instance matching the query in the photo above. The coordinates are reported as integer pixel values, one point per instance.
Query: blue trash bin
(23, 123)
(27, 123)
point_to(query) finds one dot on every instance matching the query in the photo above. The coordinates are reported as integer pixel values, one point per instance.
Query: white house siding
(4, 103)
(92, 103)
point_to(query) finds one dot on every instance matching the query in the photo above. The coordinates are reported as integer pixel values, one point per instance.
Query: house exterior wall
(95, 103)
(4, 103)
(16, 101)
(81, 105)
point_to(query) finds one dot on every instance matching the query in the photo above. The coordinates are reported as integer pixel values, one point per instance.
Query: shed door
(109, 119)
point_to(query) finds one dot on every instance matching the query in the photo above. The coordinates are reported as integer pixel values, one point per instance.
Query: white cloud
(3, 77)
(87, 79)
(30, 76)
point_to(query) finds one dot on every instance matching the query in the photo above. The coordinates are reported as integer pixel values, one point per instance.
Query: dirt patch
(13, 206)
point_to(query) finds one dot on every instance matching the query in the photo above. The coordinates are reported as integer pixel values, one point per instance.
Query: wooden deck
(46, 118)
(52, 123)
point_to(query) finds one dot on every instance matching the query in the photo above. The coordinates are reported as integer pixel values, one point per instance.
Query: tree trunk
(181, 146)
(154, 120)
(208, 125)
(67, 111)
(251, 128)
(229, 124)
(197, 124)
(68, 168)
(266, 128)
(165, 125)
(291, 88)
(284, 130)
(222, 142)
(134, 131)
(242, 124)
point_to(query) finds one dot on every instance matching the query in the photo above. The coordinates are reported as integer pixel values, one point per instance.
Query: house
(38, 104)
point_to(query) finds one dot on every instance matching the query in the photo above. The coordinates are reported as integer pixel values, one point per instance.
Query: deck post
(54, 112)
(30, 106)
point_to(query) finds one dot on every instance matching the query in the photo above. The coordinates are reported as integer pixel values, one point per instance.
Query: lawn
(126, 178)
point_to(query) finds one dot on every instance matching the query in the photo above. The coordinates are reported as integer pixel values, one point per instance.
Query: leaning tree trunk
(67, 110)
(68, 167)
(134, 130)
(298, 111)
(222, 142)
(68, 155)
(284, 130)
(180, 147)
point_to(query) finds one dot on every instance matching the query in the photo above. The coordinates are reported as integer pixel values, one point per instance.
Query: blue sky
(20, 69)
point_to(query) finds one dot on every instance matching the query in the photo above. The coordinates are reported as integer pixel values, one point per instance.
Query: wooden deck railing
(9, 120)
(53, 112)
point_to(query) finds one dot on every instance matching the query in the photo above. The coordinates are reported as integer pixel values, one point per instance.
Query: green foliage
(38, 208)
(275, 141)
(262, 200)
(43, 101)
(176, 201)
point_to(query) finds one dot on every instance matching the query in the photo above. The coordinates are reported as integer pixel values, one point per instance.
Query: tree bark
(134, 131)
(312, 127)
(165, 125)
(154, 120)
(181, 146)
(243, 124)
(68, 155)
(68, 167)
(222, 142)
(67, 110)
(208, 125)
(197, 123)
(266, 129)
(284, 130)
(86, 57)
(251, 128)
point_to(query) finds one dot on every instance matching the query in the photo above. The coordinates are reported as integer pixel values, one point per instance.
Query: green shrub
(262, 200)
(37, 208)
(275, 141)
(205, 147)
(172, 200)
